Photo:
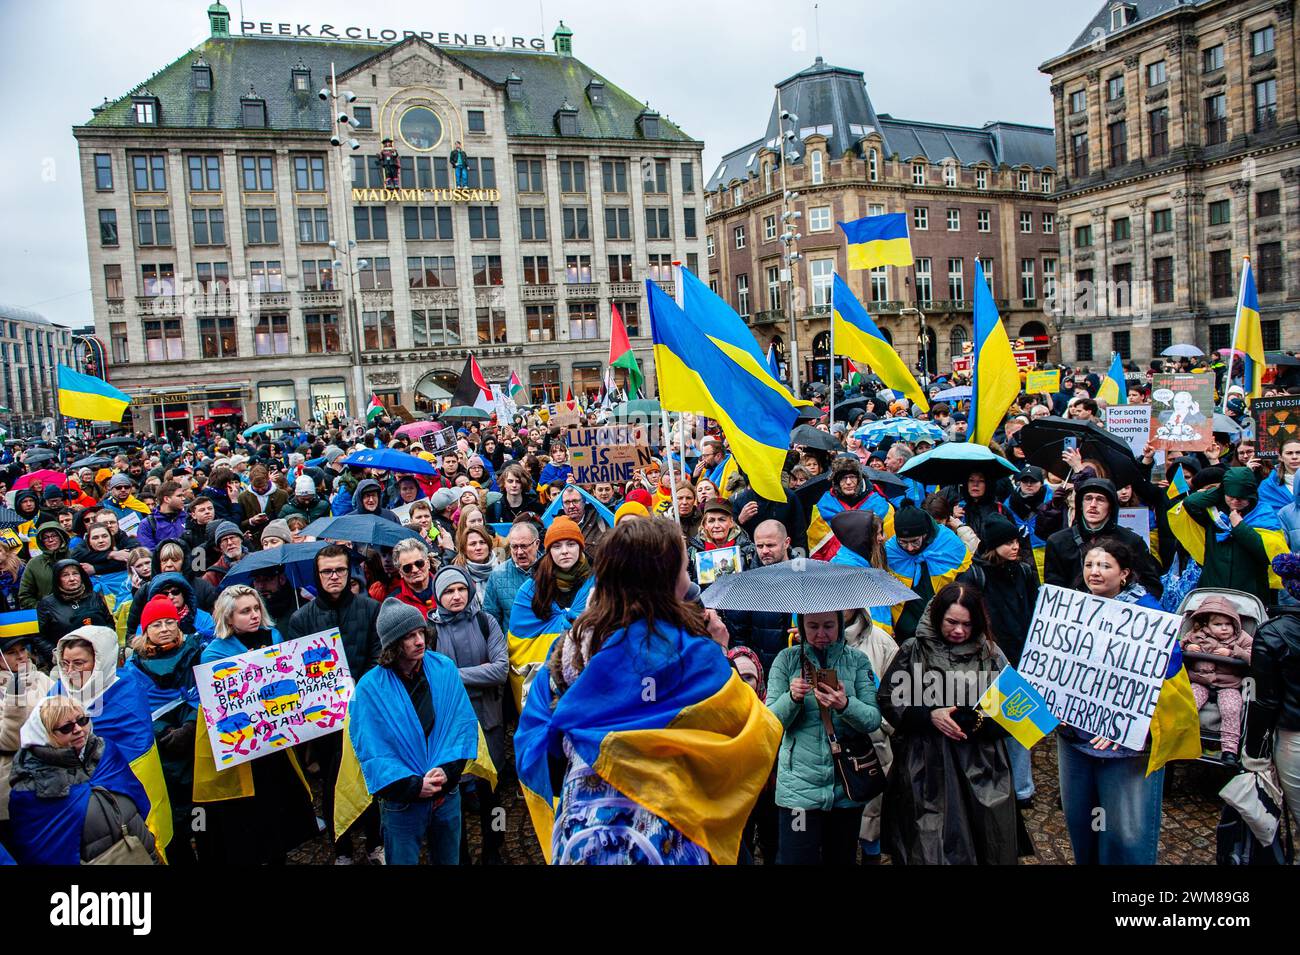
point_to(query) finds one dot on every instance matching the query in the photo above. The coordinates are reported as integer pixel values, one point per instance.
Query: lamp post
(788, 234)
(331, 95)
(922, 359)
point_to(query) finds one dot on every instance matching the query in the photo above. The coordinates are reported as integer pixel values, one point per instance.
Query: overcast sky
(709, 66)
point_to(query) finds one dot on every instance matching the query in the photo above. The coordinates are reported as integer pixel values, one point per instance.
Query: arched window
(778, 345)
(956, 338)
(822, 345)
(1033, 330)
(815, 166)
(873, 165)
(889, 336)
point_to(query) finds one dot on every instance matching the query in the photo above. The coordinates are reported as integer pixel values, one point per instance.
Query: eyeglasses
(412, 566)
(66, 728)
(76, 666)
(333, 571)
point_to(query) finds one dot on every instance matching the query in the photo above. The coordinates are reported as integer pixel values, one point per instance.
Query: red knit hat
(641, 496)
(159, 608)
(564, 529)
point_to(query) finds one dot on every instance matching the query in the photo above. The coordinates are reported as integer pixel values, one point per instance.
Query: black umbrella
(94, 461)
(811, 492)
(1282, 360)
(285, 424)
(806, 586)
(39, 456)
(811, 437)
(849, 410)
(808, 413)
(1044, 441)
(126, 442)
(12, 441)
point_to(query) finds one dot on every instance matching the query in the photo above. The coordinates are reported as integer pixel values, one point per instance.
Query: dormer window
(566, 120)
(596, 92)
(514, 86)
(1121, 15)
(648, 123)
(201, 73)
(146, 110)
(300, 78)
(252, 111)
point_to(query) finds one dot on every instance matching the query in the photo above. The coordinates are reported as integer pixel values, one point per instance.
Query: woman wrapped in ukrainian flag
(638, 743)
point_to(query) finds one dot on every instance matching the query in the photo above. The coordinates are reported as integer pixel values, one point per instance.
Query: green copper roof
(261, 67)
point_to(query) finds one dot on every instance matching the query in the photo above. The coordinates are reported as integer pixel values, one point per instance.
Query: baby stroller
(1252, 612)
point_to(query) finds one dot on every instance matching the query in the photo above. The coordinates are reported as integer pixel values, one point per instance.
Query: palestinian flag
(473, 390)
(621, 354)
(516, 389)
(374, 410)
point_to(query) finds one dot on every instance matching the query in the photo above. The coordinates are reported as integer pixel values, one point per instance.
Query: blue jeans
(1126, 831)
(1021, 770)
(408, 825)
(462, 176)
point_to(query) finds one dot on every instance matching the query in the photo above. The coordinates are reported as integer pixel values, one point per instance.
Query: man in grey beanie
(473, 639)
(230, 542)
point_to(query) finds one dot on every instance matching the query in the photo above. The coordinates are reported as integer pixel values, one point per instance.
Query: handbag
(856, 763)
(127, 850)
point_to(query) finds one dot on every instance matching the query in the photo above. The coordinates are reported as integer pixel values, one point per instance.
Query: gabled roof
(264, 64)
(1099, 27)
(832, 101)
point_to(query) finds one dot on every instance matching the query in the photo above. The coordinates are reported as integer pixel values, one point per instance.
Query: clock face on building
(421, 129)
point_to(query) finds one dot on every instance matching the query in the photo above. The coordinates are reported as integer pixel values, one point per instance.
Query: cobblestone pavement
(1191, 812)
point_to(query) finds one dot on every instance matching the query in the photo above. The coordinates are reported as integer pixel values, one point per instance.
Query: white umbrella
(1182, 351)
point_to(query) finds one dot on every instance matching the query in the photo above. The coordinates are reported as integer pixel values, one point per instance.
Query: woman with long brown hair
(476, 553)
(662, 746)
(548, 602)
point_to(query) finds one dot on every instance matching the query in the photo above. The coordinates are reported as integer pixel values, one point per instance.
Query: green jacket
(38, 577)
(805, 775)
(1239, 562)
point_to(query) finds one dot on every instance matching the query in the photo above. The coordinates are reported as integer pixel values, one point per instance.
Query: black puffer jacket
(1275, 668)
(353, 614)
(1010, 592)
(57, 616)
(764, 632)
(1063, 559)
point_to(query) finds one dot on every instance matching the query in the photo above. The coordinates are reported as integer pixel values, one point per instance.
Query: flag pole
(831, 407)
(1236, 330)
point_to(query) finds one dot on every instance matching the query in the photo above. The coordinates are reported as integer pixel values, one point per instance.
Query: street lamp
(331, 94)
(789, 214)
(922, 340)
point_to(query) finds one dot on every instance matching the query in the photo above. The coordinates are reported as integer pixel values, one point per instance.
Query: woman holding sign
(951, 798)
(1112, 807)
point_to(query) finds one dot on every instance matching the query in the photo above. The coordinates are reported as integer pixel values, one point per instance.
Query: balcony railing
(625, 289)
(817, 311)
(885, 307)
(767, 317)
(582, 291)
(951, 305)
(537, 293)
(159, 305)
(320, 299)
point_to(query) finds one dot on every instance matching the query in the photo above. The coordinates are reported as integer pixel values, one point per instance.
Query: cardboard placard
(264, 701)
(128, 521)
(1138, 520)
(1098, 663)
(1182, 407)
(1132, 423)
(606, 455)
(1043, 382)
(1276, 420)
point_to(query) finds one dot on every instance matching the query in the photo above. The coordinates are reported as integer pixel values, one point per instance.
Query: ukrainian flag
(996, 380)
(696, 752)
(1191, 534)
(703, 373)
(716, 319)
(878, 240)
(822, 542)
(1175, 725)
(1250, 336)
(85, 396)
(1013, 703)
(858, 337)
(530, 637)
(1114, 389)
(944, 558)
(19, 623)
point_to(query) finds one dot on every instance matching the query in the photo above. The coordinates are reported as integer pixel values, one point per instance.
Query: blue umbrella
(258, 429)
(953, 394)
(297, 561)
(952, 463)
(360, 529)
(906, 429)
(388, 459)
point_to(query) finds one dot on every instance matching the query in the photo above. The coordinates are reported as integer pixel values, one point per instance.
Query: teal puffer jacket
(805, 774)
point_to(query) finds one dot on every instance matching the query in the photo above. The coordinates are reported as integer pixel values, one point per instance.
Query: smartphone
(827, 678)
(1071, 444)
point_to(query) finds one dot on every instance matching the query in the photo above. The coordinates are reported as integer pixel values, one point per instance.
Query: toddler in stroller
(1216, 631)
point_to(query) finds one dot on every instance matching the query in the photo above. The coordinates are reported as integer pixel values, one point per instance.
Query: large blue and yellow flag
(530, 637)
(85, 396)
(1114, 389)
(1249, 337)
(383, 740)
(822, 542)
(18, 623)
(696, 751)
(728, 330)
(1175, 725)
(702, 373)
(878, 240)
(1018, 708)
(1262, 518)
(995, 378)
(858, 337)
(944, 558)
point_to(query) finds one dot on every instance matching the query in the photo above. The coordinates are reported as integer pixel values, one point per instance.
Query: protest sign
(1132, 423)
(1138, 520)
(1182, 416)
(606, 455)
(403, 514)
(1040, 382)
(1276, 420)
(128, 521)
(269, 699)
(440, 440)
(1098, 663)
(709, 564)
